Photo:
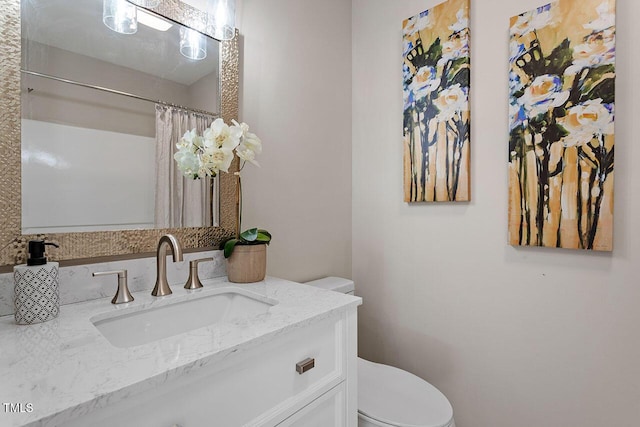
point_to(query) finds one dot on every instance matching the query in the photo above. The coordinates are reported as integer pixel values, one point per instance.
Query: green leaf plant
(252, 236)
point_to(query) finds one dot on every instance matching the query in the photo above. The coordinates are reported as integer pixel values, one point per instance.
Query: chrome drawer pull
(305, 365)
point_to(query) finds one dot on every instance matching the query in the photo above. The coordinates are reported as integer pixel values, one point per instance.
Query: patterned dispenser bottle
(37, 298)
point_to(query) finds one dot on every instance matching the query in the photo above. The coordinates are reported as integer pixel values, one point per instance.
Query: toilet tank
(337, 284)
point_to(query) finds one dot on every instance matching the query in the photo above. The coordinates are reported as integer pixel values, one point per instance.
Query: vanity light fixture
(120, 16)
(193, 45)
(146, 18)
(222, 18)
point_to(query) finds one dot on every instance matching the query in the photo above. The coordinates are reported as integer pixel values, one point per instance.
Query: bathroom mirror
(92, 75)
(57, 108)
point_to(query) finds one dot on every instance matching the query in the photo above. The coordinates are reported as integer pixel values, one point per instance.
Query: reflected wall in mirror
(60, 100)
(101, 82)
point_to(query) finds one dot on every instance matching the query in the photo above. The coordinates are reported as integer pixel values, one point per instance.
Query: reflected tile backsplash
(77, 284)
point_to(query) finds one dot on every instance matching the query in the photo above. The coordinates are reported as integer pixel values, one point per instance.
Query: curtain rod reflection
(117, 92)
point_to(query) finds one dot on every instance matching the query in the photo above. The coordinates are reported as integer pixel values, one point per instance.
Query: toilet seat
(389, 396)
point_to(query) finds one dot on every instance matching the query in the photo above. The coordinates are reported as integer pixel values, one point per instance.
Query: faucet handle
(122, 295)
(193, 282)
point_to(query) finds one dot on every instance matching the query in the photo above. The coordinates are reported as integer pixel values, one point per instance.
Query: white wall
(296, 95)
(514, 337)
(56, 102)
(203, 94)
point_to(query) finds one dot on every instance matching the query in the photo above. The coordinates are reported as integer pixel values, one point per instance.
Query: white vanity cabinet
(253, 386)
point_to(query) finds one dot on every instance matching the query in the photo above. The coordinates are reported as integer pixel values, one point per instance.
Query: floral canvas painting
(436, 103)
(561, 140)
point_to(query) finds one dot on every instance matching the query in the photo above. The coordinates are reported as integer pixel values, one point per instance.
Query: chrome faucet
(166, 241)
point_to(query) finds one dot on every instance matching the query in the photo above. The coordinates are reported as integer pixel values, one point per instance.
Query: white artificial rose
(187, 140)
(208, 166)
(250, 144)
(219, 158)
(246, 154)
(223, 135)
(188, 162)
(205, 171)
(208, 138)
(207, 155)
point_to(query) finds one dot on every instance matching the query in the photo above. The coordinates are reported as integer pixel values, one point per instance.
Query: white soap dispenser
(36, 297)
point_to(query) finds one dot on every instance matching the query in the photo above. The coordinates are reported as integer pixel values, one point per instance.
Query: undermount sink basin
(137, 327)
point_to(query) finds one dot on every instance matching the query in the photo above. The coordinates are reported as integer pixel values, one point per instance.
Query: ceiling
(76, 26)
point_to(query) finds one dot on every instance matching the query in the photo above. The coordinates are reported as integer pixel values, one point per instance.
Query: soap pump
(36, 252)
(36, 296)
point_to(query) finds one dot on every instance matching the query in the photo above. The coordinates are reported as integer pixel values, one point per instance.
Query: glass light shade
(120, 16)
(222, 18)
(149, 4)
(193, 45)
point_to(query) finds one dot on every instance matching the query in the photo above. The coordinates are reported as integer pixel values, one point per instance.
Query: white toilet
(391, 397)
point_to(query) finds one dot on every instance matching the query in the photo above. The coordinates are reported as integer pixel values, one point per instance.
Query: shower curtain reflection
(181, 202)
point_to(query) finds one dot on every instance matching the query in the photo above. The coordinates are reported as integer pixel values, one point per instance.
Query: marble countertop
(64, 368)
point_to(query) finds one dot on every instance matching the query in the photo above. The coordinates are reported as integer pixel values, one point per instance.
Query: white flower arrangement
(205, 155)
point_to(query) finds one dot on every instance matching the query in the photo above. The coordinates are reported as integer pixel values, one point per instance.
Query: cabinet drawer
(260, 387)
(287, 387)
(327, 410)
